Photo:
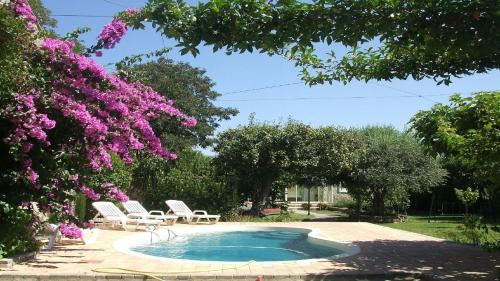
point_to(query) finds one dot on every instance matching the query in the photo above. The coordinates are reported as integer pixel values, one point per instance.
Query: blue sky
(356, 104)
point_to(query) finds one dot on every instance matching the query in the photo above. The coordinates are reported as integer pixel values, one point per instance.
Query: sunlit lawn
(440, 226)
(330, 213)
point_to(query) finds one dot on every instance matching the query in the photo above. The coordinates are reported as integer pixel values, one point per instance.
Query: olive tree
(393, 164)
(252, 157)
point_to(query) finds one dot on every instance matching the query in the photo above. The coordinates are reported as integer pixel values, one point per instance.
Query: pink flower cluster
(23, 9)
(29, 122)
(70, 230)
(115, 118)
(115, 193)
(90, 193)
(89, 225)
(67, 207)
(31, 126)
(189, 122)
(132, 11)
(112, 33)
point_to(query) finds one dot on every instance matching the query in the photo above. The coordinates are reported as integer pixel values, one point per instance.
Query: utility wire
(261, 88)
(333, 98)
(81, 16)
(116, 4)
(405, 91)
(296, 83)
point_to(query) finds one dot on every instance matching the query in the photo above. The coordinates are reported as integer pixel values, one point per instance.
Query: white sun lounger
(108, 213)
(180, 209)
(136, 208)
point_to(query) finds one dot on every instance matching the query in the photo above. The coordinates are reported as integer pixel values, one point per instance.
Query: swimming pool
(237, 244)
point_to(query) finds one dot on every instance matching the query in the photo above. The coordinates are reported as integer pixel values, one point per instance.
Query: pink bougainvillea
(90, 193)
(23, 9)
(80, 110)
(117, 194)
(112, 33)
(71, 230)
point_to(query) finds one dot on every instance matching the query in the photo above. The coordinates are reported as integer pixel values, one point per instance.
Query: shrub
(344, 202)
(322, 206)
(284, 208)
(305, 206)
(476, 233)
(193, 179)
(17, 230)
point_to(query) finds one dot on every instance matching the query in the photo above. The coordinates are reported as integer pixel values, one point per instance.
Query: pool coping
(348, 248)
(275, 277)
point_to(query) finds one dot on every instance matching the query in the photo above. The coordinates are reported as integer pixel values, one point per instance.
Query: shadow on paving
(436, 260)
(329, 219)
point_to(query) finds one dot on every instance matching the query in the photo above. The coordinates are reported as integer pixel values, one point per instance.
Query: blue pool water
(239, 246)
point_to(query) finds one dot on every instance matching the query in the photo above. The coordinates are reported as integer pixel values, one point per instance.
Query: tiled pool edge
(323, 277)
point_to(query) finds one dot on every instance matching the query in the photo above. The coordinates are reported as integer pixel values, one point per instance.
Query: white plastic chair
(180, 209)
(136, 208)
(108, 213)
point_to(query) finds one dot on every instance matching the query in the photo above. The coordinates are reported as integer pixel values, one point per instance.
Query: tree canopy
(384, 40)
(252, 157)
(392, 165)
(193, 93)
(467, 130)
(257, 155)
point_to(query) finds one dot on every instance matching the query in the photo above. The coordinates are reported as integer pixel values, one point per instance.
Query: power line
(333, 98)
(81, 16)
(296, 83)
(406, 92)
(116, 4)
(261, 88)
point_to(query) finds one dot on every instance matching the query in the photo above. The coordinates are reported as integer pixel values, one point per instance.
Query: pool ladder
(152, 230)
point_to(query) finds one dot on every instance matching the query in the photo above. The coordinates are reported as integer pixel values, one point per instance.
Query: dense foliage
(467, 132)
(194, 180)
(392, 166)
(62, 117)
(193, 92)
(252, 158)
(258, 157)
(383, 40)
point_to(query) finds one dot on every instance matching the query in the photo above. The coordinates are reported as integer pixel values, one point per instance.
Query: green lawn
(331, 213)
(440, 226)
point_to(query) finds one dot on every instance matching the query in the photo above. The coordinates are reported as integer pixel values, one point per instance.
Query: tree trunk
(255, 203)
(260, 196)
(308, 200)
(358, 206)
(378, 203)
(432, 205)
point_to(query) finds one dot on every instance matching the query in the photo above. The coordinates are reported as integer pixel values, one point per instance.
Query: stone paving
(384, 252)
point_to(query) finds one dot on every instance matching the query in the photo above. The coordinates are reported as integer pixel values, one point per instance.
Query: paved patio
(384, 252)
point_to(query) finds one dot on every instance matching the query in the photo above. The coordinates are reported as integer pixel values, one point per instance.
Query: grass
(445, 227)
(331, 213)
